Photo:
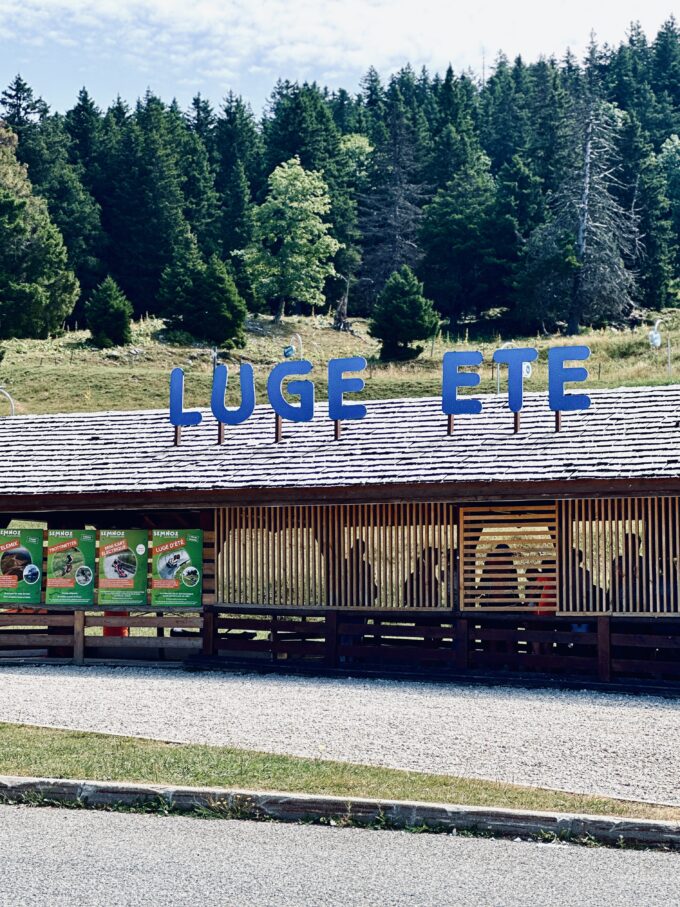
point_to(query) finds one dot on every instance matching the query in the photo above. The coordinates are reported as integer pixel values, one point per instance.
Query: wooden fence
(347, 556)
(578, 557)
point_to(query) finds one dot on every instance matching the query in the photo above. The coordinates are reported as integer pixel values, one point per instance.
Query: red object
(115, 631)
(546, 601)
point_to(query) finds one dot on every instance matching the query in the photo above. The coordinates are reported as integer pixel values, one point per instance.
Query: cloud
(233, 39)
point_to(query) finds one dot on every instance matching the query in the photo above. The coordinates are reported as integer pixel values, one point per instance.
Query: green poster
(70, 566)
(21, 558)
(176, 568)
(122, 573)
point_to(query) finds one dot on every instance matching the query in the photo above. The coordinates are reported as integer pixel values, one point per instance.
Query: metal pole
(670, 368)
(11, 402)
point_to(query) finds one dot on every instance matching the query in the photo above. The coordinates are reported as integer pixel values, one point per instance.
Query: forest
(544, 196)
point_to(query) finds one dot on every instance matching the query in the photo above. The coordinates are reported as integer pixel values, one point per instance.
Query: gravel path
(615, 745)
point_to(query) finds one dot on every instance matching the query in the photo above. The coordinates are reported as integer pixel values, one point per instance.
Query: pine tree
(45, 147)
(237, 138)
(19, 107)
(300, 124)
(576, 263)
(642, 191)
(504, 117)
(197, 181)
(108, 315)
(201, 298)
(37, 290)
(237, 212)
(142, 200)
(669, 162)
(390, 210)
(84, 124)
(459, 267)
(402, 315)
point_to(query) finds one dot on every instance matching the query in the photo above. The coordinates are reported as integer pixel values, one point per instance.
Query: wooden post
(278, 428)
(178, 435)
(516, 422)
(558, 421)
(450, 425)
(337, 430)
(604, 664)
(78, 637)
(461, 643)
(331, 622)
(209, 633)
(220, 432)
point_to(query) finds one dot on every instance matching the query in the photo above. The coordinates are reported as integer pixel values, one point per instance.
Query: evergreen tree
(237, 138)
(459, 267)
(292, 253)
(237, 211)
(108, 315)
(37, 290)
(402, 315)
(504, 116)
(84, 124)
(576, 263)
(142, 200)
(202, 121)
(45, 148)
(300, 124)
(19, 107)
(669, 162)
(390, 210)
(642, 190)
(197, 182)
(202, 299)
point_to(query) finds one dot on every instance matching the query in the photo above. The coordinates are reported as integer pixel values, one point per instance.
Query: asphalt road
(54, 857)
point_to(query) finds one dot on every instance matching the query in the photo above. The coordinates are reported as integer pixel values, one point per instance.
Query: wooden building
(397, 547)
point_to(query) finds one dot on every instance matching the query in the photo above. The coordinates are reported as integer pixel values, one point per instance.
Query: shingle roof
(629, 433)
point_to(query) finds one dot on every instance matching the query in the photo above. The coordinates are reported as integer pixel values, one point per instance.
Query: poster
(176, 568)
(122, 572)
(70, 567)
(21, 559)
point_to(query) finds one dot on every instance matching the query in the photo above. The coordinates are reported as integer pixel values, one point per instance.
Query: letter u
(219, 389)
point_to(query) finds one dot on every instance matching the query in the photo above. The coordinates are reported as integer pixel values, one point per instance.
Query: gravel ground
(64, 857)
(615, 745)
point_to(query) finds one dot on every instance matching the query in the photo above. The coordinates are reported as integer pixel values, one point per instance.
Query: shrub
(402, 315)
(108, 314)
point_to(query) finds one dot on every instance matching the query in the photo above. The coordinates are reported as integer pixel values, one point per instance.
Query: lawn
(66, 374)
(43, 752)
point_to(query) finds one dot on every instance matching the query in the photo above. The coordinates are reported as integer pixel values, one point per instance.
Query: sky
(177, 48)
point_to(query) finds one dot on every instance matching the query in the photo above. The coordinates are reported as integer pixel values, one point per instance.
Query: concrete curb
(287, 807)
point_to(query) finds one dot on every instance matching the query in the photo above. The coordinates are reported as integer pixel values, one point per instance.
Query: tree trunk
(341, 311)
(278, 318)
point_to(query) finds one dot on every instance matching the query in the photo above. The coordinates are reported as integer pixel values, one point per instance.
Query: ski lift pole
(7, 395)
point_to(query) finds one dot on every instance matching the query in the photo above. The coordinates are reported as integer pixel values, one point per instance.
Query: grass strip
(43, 752)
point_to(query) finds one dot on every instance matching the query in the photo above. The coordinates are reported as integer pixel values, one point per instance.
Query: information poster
(70, 566)
(176, 568)
(123, 567)
(21, 557)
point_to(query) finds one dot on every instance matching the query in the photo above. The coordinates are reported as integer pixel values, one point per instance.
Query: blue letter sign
(452, 379)
(515, 359)
(178, 415)
(219, 389)
(338, 385)
(559, 374)
(304, 389)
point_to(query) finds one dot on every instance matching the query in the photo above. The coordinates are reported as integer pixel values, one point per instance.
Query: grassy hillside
(68, 375)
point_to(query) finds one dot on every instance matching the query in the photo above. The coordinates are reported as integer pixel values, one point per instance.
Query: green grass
(42, 752)
(68, 375)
